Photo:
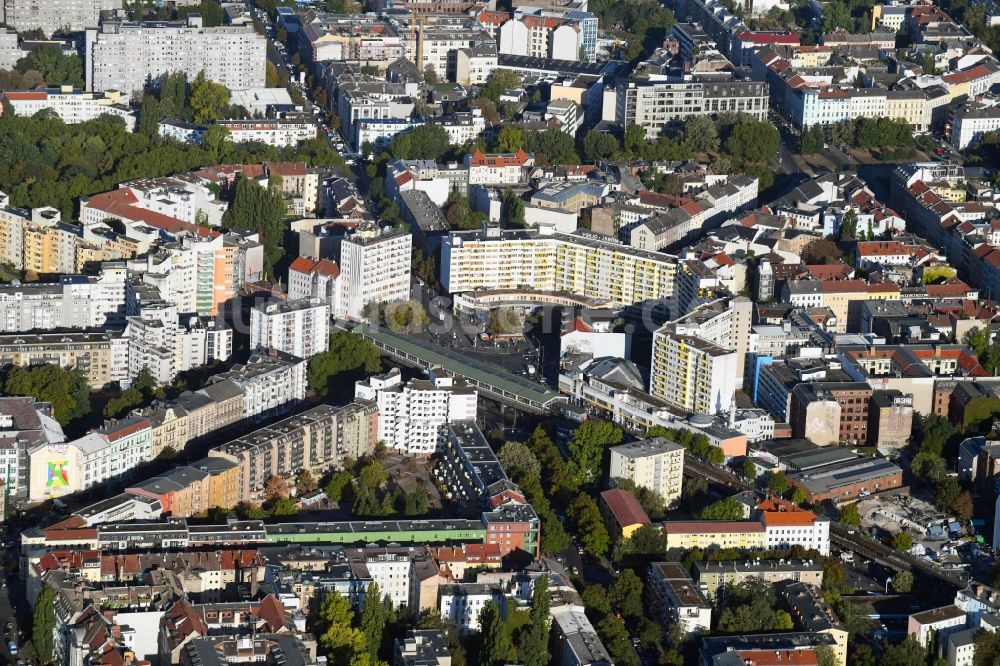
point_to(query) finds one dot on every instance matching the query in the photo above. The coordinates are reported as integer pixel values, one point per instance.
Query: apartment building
(308, 440)
(498, 168)
(374, 268)
(10, 52)
(431, 41)
(361, 99)
(714, 575)
(714, 534)
(53, 15)
(300, 328)
(73, 106)
(413, 416)
(287, 130)
(462, 603)
(75, 301)
(438, 181)
(828, 413)
(167, 345)
(578, 263)
(970, 122)
(655, 463)
(691, 373)
(40, 243)
(123, 56)
(379, 132)
(25, 424)
(473, 66)
(185, 197)
(677, 599)
(99, 456)
(315, 279)
(657, 101)
(102, 357)
(787, 525)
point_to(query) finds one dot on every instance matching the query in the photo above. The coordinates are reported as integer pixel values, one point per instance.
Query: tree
(812, 140)
(426, 142)
(725, 509)
(337, 484)
(499, 82)
(583, 511)
(587, 445)
(518, 461)
(902, 582)
(512, 209)
(907, 653)
(902, 541)
(510, 139)
(635, 139)
(259, 209)
(44, 624)
(276, 488)
(799, 495)
(821, 251)
(626, 595)
(56, 68)
(753, 140)
(715, 456)
(209, 100)
(928, 65)
(849, 224)
(305, 482)
(149, 116)
(496, 640)
(210, 12)
(850, 515)
(987, 648)
(825, 656)
(863, 656)
(778, 483)
(66, 389)
(373, 618)
(700, 134)
(173, 96)
(963, 506)
(749, 469)
(647, 540)
(534, 642)
(599, 146)
(350, 357)
(488, 109)
(553, 146)
(283, 507)
(336, 631)
(373, 475)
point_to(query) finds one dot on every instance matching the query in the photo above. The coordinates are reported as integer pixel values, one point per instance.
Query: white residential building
(73, 106)
(374, 268)
(412, 416)
(463, 603)
(50, 16)
(166, 344)
(786, 525)
(464, 127)
(656, 464)
(270, 383)
(315, 279)
(300, 328)
(379, 132)
(75, 301)
(124, 56)
(498, 168)
(968, 125)
(184, 197)
(691, 373)
(578, 263)
(678, 599)
(290, 129)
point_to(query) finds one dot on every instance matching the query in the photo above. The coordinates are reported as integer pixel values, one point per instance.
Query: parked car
(12, 647)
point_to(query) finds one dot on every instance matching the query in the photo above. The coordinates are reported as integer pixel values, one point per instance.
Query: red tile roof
(121, 204)
(302, 265)
(624, 507)
(479, 159)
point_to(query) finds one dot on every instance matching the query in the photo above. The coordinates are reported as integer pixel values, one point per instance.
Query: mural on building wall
(58, 474)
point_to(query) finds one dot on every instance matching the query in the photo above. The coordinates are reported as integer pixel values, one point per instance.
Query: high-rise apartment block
(374, 268)
(655, 463)
(124, 56)
(691, 373)
(579, 263)
(52, 15)
(300, 328)
(413, 416)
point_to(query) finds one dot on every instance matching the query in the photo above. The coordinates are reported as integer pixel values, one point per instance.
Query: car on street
(12, 646)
